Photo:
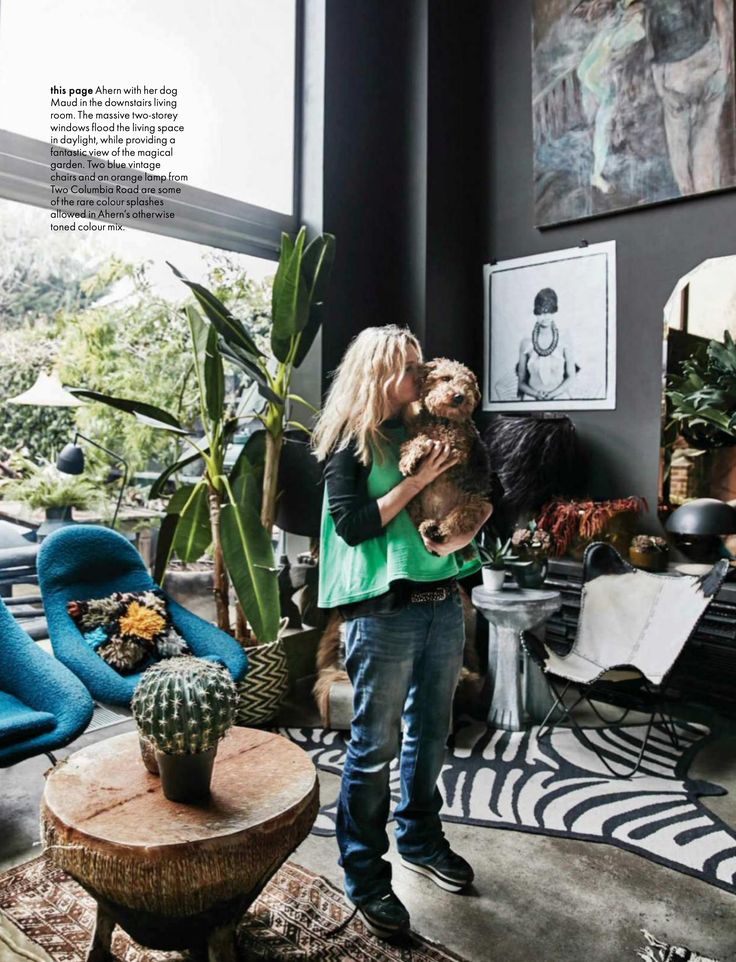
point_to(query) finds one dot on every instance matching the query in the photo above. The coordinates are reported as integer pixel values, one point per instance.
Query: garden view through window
(106, 314)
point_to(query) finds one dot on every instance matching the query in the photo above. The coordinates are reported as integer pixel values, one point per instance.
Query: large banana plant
(232, 510)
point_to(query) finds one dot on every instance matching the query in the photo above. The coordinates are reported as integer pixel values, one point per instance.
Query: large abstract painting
(550, 331)
(633, 103)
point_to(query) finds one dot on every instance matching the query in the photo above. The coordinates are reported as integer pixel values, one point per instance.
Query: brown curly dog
(457, 501)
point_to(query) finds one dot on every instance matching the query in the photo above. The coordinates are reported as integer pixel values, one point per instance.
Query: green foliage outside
(25, 352)
(40, 274)
(45, 487)
(104, 328)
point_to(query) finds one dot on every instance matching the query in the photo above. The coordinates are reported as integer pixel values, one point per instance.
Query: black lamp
(699, 526)
(71, 461)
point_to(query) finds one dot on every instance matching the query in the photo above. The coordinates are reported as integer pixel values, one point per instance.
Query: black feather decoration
(536, 458)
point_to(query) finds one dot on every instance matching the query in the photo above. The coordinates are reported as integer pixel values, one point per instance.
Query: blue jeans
(403, 665)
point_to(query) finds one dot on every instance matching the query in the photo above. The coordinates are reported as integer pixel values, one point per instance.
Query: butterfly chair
(42, 705)
(632, 627)
(84, 561)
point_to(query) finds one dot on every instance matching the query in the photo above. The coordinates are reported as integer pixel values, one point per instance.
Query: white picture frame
(563, 357)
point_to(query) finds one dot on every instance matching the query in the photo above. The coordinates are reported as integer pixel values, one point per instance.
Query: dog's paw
(412, 453)
(432, 531)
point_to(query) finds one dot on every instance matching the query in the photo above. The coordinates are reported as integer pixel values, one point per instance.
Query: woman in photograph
(546, 369)
(404, 629)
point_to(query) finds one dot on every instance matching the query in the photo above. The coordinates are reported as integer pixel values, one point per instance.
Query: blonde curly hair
(358, 402)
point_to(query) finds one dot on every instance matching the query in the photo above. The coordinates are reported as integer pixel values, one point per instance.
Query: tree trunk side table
(509, 612)
(177, 876)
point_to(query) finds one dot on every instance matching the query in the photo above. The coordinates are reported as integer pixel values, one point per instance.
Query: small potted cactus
(184, 706)
(649, 552)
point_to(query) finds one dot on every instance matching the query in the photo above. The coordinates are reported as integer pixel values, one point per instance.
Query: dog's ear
(476, 388)
(426, 368)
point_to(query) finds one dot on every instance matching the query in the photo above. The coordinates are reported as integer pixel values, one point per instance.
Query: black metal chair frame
(584, 694)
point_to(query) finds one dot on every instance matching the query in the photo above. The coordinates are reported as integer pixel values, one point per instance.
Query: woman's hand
(439, 459)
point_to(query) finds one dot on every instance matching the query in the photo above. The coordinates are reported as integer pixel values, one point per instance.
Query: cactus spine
(184, 705)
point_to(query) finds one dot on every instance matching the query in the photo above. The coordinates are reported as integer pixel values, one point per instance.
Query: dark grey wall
(373, 84)
(403, 171)
(655, 246)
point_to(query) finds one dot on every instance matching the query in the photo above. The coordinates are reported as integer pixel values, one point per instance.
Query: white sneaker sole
(444, 883)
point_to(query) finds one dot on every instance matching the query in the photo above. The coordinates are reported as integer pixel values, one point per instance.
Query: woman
(599, 73)
(404, 625)
(546, 368)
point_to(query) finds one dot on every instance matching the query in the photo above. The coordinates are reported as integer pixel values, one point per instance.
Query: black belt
(399, 595)
(431, 592)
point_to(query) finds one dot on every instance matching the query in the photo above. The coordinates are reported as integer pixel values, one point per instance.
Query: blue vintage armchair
(88, 561)
(42, 705)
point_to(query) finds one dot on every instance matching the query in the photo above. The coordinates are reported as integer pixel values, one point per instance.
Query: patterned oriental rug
(559, 787)
(290, 922)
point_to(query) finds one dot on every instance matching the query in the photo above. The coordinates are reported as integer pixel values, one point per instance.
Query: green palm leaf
(207, 364)
(193, 534)
(225, 323)
(248, 554)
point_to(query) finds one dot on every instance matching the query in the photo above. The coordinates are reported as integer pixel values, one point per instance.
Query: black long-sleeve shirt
(354, 512)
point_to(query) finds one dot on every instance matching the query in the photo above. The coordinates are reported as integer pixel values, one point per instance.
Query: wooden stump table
(177, 876)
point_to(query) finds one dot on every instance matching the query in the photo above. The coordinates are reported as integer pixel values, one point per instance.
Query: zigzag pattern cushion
(128, 629)
(19, 721)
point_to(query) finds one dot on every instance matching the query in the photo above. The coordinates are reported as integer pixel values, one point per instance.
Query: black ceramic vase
(530, 574)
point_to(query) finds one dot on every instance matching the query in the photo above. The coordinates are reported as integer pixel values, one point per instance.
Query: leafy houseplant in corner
(230, 510)
(702, 399)
(493, 560)
(184, 706)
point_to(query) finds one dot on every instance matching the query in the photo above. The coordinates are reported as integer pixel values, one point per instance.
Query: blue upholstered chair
(42, 705)
(88, 561)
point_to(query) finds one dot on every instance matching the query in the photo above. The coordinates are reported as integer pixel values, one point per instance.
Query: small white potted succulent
(493, 558)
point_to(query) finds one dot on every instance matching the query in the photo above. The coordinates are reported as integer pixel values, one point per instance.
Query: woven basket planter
(264, 687)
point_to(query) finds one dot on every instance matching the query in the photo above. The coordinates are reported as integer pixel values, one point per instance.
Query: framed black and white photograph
(550, 331)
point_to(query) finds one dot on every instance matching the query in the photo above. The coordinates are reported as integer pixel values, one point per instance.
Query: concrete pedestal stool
(520, 693)
(177, 876)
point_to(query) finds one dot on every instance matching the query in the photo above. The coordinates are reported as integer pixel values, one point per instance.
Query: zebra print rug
(559, 787)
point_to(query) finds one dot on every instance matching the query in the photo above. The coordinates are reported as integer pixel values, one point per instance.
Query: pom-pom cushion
(127, 629)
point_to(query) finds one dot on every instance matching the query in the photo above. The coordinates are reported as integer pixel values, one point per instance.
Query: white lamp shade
(47, 392)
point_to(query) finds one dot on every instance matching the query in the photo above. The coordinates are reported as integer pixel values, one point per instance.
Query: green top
(353, 573)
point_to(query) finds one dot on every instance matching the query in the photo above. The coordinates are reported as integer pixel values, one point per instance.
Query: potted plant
(183, 707)
(43, 486)
(649, 552)
(532, 545)
(230, 510)
(573, 525)
(493, 563)
(702, 399)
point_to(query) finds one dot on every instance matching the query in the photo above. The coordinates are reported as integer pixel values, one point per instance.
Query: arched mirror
(698, 454)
